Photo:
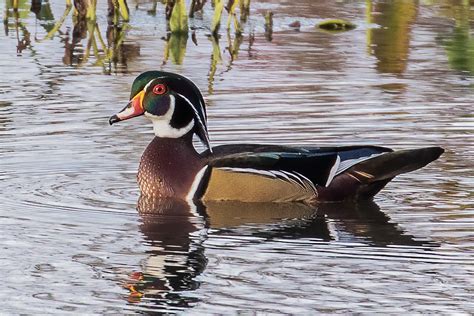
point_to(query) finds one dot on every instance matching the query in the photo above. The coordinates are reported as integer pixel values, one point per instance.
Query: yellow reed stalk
(216, 20)
(179, 18)
(124, 12)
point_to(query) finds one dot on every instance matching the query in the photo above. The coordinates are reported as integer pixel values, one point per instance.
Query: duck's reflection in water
(175, 233)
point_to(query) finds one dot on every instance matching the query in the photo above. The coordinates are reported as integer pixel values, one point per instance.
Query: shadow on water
(175, 233)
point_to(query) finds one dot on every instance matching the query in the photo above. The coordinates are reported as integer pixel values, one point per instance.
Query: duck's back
(256, 173)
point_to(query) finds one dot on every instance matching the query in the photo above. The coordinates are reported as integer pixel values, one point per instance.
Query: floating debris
(336, 25)
(295, 25)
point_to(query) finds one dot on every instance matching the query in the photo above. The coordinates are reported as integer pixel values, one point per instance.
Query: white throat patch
(162, 124)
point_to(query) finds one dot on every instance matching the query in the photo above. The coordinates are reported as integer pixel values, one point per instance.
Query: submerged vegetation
(336, 25)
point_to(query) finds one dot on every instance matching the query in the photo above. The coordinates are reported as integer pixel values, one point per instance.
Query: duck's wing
(275, 173)
(319, 164)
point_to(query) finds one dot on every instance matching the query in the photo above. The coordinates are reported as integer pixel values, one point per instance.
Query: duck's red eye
(159, 89)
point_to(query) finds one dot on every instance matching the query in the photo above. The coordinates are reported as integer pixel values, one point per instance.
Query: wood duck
(171, 167)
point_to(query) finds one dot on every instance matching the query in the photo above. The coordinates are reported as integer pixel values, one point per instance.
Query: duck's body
(171, 166)
(271, 173)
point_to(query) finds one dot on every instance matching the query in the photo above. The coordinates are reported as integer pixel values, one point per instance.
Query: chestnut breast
(168, 167)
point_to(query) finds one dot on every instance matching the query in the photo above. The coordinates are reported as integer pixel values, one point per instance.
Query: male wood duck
(171, 167)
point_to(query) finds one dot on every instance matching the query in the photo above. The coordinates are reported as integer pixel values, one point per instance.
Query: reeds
(178, 22)
(109, 49)
(216, 20)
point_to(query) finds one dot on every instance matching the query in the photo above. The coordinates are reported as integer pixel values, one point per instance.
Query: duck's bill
(134, 108)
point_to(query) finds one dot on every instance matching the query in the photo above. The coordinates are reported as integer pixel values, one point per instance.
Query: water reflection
(175, 47)
(459, 44)
(390, 42)
(175, 233)
(23, 36)
(43, 12)
(216, 58)
(172, 230)
(112, 54)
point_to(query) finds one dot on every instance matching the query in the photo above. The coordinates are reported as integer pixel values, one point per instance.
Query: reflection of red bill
(135, 294)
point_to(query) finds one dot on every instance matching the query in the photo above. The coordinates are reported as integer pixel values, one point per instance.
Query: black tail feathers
(389, 165)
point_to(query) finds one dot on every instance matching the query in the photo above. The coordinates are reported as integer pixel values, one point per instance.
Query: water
(73, 242)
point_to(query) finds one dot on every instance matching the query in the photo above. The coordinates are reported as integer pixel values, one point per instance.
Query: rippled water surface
(73, 242)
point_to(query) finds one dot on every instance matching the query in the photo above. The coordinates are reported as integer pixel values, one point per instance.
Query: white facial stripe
(200, 103)
(200, 122)
(194, 109)
(162, 124)
(149, 83)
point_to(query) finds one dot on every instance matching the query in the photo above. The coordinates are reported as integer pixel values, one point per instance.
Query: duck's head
(172, 102)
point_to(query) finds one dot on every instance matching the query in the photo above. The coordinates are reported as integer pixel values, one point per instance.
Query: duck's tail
(375, 173)
(370, 176)
(392, 164)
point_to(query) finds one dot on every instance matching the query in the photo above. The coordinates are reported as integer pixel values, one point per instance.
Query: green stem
(124, 12)
(58, 24)
(216, 20)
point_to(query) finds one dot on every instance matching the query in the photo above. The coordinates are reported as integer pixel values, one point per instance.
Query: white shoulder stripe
(333, 170)
(197, 181)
